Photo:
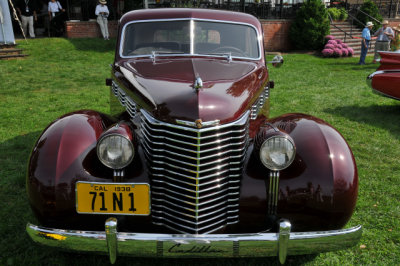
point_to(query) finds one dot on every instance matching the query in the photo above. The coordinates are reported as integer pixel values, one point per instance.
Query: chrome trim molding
(191, 19)
(125, 100)
(385, 71)
(195, 172)
(118, 175)
(195, 124)
(273, 192)
(258, 105)
(283, 240)
(379, 72)
(111, 237)
(111, 242)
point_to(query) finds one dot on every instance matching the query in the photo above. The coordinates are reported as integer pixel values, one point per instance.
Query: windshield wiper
(154, 53)
(166, 52)
(227, 55)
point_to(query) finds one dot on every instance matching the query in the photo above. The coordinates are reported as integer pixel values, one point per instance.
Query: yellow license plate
(113, 198)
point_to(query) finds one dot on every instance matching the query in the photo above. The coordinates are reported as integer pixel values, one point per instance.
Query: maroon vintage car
(188, 164)
(386, 79)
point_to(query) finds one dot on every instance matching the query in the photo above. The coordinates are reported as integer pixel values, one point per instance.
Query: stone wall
(275, 32)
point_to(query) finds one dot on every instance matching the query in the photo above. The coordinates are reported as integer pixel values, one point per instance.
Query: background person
(56, 17)
(43, 17)
(385, 35)
(102, 15)
(366, 38)
(395, 44)
(27, 12)
(54, 7)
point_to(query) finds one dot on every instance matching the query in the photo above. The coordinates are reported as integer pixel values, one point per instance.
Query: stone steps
(10, 52)
(352, 37)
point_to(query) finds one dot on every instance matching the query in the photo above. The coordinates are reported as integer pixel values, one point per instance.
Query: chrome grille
(256, 107)
(195, 173)
(124, 99)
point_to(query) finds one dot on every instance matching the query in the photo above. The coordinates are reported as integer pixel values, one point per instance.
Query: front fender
(58, 159)
(319, 190)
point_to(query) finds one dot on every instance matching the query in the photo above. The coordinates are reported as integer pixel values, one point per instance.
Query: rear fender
(389, 60)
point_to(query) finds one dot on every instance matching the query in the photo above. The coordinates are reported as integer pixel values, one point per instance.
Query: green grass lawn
(62, 75)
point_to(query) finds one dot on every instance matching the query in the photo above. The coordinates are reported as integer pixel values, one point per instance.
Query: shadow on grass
(14, 156)
(90, 44)
(383, 116)
(14, 207)
(55, 256)
(291, 260)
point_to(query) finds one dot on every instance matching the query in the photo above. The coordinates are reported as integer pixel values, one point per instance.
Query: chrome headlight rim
(288, 163)
(106, 163)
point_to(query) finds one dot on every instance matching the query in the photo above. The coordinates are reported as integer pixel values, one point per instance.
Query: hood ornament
(199, 123)
(198, 83)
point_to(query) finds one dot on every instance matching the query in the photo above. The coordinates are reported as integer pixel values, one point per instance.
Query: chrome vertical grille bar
(273, 190)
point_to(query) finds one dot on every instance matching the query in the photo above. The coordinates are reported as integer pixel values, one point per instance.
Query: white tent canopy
(6, 29)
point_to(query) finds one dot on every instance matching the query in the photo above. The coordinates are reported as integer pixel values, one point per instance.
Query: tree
(368, 7)
(132, 5)
(310, 26)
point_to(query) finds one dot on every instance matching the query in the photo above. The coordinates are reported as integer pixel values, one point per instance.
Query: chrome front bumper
(278, 244)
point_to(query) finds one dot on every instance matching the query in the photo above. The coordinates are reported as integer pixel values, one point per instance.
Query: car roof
(189, 13)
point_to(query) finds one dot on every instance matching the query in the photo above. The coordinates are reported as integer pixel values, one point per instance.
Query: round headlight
(115, 151)
(277, 152)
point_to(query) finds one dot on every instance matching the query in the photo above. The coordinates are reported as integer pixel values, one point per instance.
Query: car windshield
(190, 37)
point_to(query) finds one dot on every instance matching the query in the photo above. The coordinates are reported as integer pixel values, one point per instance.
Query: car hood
(168, 84)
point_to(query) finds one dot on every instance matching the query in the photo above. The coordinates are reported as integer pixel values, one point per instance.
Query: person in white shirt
(54, 7)
(385, 35)
(102, 14)
(57, 17)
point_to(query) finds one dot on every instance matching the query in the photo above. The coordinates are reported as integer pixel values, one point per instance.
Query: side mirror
(277, 61)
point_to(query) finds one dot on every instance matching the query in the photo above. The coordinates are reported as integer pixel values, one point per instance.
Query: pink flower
(350, 51)
(337, 52)
(344, 45)
(345, 52)
(332, 42)
(327, 52)
(329, 46)
(329, 37)
(339, 41)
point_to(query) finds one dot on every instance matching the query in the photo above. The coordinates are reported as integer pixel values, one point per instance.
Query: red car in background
(386, 79)
(188, 162)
